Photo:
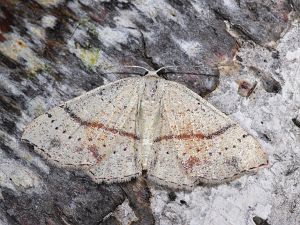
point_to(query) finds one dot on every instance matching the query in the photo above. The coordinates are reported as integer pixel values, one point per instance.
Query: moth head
(151, 73)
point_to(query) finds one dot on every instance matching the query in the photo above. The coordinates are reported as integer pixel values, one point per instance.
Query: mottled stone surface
(53, 50)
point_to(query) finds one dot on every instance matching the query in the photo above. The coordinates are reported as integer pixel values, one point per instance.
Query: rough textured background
(53, 50)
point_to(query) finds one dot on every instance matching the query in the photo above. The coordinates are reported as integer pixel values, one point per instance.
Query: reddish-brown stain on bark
(5, 24)
(2, 38)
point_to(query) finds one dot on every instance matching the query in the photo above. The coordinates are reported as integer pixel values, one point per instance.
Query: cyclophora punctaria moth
(145, 123)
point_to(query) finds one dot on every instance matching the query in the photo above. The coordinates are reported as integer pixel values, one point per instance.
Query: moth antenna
(192, 73)
(138, 67)
(187, 73)
(135, 73)
(163, 68)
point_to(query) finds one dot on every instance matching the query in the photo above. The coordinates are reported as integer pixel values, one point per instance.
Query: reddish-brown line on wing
(99, 125)
(95, 153)
(197, 135)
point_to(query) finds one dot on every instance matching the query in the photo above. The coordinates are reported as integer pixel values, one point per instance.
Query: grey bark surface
(54, 50)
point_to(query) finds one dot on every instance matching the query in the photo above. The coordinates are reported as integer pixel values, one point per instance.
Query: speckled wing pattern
(198, 143)
(94, 132)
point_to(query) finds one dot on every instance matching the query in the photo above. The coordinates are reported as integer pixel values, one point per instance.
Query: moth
(136, 124)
